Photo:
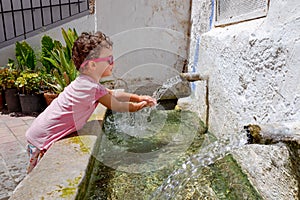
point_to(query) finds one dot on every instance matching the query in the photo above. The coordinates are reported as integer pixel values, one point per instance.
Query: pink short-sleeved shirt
(67, 113)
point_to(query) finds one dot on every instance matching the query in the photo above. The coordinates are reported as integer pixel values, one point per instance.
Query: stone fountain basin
(70, 169)
(126, 167)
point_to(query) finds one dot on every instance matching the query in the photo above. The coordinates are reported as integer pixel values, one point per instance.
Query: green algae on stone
(229, 181)
(222, 180)
(70, 190)
(82, 142)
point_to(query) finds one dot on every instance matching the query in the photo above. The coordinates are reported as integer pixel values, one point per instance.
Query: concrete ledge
(63, 167)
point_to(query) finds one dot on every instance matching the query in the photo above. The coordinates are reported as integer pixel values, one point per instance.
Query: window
(233, 11)
(20, 19)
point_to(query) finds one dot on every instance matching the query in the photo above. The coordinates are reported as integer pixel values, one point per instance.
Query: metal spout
(191, 77)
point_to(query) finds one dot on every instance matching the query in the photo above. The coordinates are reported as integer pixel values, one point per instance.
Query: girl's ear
(92, 64)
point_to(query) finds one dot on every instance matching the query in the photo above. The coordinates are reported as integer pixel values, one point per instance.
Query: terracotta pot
(49, 97)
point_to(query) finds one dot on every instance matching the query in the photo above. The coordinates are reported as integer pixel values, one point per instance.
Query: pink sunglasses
(109, 59)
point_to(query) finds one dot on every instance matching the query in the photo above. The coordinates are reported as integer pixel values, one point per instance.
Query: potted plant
(8, 77)
(30, 81)
(57, 60)
(31, 97)
(51, 88)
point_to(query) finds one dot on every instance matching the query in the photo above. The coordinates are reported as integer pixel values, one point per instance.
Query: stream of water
(193, 166)
(166, 86)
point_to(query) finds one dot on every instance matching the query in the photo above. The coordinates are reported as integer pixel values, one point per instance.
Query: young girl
(93, 57)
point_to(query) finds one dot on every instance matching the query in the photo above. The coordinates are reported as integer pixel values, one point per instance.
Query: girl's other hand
(138, 106)
(150, 100)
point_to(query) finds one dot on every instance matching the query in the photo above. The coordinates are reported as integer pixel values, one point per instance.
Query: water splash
(135, 124)
(166, 85)
(193, 166)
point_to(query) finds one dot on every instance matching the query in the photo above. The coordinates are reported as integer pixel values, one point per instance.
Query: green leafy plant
(69, 36)
(25, 56)
(47, 46)
(8, 75)
(29, 82)
(26, 61)
(57, 59)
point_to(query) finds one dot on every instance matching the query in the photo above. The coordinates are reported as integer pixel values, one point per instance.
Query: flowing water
(192, 168)
(166, 86)
(155, 154)
(136, 124)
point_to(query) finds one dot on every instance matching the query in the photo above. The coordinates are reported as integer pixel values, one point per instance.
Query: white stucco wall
(253, 78)
(253, 69)
(86, 23)
(150, 39)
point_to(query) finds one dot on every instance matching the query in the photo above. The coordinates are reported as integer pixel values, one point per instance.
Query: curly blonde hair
(88, 46)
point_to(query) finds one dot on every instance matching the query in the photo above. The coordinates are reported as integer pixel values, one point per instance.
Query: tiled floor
(13, 156)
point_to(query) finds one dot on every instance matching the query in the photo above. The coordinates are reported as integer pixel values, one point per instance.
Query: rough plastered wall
(253, 69)
(254, 74)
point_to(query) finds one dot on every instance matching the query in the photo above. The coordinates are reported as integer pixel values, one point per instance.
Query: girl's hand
(137, 106)
(150, 100)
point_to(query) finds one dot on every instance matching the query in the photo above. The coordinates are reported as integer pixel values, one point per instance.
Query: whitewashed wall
(254, 74)
(253, 67)
(150, 39)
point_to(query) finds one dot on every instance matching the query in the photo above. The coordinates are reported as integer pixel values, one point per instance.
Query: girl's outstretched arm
(114, 104)
(129, 97)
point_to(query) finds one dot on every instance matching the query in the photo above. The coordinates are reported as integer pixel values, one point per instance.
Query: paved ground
(13, 156)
